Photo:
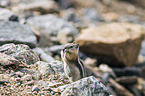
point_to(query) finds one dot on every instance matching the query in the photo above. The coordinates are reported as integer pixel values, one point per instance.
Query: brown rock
(120, 42)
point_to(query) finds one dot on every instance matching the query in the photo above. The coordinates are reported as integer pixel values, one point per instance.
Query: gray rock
(73, 17)
(70, 15)
(52, 74)
(53, 68)
(90, 15)
(13, 32)
(4, 3)
(54, 49)
(64, 4)
(44, 56)
(35, 88)
(129, 18)
(88, 86)
(49, 25)
(21, 52)
(142, 52)
(65, 36)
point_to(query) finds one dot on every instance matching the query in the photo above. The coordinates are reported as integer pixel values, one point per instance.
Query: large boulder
(88, 86)
(13, 32)
(119, 42)
(20, 52)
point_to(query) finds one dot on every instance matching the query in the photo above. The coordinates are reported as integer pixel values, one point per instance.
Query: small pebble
(12, 73)
(30, 82)
(26, 78)
(20, 74)
(35, 88)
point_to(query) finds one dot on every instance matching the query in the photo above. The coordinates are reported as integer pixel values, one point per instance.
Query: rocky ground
(110, 34)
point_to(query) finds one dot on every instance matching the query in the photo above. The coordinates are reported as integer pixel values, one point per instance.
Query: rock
(127, 80)
(129, 18)
(139, 2)
(110, 16)
(128, 71)
(6, 15)
(21, 52)
(29, 71)
(20, 74)
(142, 52)
(65, 36)
(35, 88)
(43, 55)
(52, 74)
(13, 32)
(70, 15)
(8, 61)
(4, 3)
(106, 2)
(27, 78)
(56, 49)
(120, 43)
(43, 6)
(42, 83)
(53, 68)
(90, 15)
(88, 86)
(90, 62)
(64, 4)
(12, 73)
(119, 89)
(105, 68)
(140, 85)
(48, 26)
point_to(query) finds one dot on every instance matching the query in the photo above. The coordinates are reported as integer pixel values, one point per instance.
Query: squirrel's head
(70, 51)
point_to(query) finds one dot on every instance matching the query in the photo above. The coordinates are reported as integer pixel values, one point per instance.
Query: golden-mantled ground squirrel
(73, 66)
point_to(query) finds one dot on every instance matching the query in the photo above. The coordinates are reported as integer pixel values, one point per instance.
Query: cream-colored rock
(40, 6)
(120, 42)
